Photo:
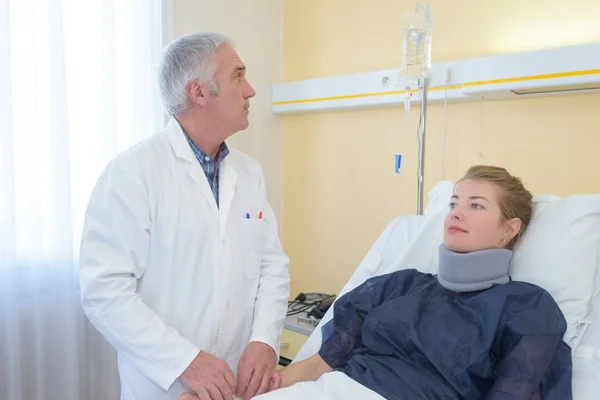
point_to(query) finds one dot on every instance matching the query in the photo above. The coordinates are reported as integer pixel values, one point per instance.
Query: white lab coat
(165, 273)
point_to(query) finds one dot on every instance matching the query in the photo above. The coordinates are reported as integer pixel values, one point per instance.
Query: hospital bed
(559, 252)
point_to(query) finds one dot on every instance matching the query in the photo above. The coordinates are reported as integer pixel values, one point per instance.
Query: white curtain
(77, 86)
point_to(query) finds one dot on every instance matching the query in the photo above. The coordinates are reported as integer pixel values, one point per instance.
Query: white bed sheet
(331, 386)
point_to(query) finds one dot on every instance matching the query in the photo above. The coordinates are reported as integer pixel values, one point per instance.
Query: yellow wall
(339, 189)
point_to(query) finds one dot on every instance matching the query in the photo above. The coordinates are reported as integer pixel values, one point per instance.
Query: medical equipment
(416, 63)
(321, 309)
(503, 76)
(416, 50)
(311, 304)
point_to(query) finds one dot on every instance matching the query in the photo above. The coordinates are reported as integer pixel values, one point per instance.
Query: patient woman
(467, 333)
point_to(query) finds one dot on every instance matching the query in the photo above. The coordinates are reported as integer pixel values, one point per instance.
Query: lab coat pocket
(253, 237)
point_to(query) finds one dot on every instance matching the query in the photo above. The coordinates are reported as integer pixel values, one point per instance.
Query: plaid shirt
(210, 166)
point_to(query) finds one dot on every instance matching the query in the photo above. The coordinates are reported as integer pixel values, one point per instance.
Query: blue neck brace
(471, 272)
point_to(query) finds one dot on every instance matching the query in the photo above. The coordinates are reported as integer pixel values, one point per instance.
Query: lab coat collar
(227, 173)
(180, 145)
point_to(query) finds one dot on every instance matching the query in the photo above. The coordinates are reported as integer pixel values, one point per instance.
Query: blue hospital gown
(405, 336)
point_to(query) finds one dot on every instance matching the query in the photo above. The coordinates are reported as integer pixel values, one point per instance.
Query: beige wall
(339, 188)
(255, 26)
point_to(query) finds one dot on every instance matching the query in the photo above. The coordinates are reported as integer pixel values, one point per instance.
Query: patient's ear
(512, 228)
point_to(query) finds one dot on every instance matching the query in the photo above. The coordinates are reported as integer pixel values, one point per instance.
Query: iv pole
(423, 82)
(418, 30)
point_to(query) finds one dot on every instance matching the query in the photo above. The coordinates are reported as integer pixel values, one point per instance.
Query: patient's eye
(452, 205)
(476, 206)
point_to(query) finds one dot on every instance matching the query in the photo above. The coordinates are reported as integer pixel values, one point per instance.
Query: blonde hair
(514, 198)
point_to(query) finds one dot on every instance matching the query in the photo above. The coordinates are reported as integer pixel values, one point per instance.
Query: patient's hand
(310, 369)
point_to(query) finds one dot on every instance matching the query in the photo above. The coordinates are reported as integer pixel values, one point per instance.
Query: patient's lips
(454, 229)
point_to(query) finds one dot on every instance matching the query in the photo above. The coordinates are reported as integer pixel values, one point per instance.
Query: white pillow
(439, 198)
(559, 252)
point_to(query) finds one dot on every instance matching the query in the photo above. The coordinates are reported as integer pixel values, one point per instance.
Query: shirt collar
(201, 154)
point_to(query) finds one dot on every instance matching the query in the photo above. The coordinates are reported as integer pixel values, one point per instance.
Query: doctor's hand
(275, 382)
(188, 396)
(209, 377)
(255, 370)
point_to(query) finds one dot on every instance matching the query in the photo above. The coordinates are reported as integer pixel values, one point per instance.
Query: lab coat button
(227, 305)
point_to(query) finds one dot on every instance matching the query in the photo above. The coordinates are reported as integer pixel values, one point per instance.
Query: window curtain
(77, 87)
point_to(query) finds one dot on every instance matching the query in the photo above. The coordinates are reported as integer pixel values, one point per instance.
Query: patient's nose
(456, 214)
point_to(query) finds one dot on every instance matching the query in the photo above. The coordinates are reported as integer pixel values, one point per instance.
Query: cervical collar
(474, 271)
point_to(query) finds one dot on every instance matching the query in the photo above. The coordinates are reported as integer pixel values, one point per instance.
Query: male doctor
(181, 266)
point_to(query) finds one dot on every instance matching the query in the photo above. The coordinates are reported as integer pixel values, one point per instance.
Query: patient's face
(474, 221)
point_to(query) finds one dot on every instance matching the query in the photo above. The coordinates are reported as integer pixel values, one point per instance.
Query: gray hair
(185, 59)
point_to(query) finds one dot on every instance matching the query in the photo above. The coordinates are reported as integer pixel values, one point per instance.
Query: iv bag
(416, 48)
